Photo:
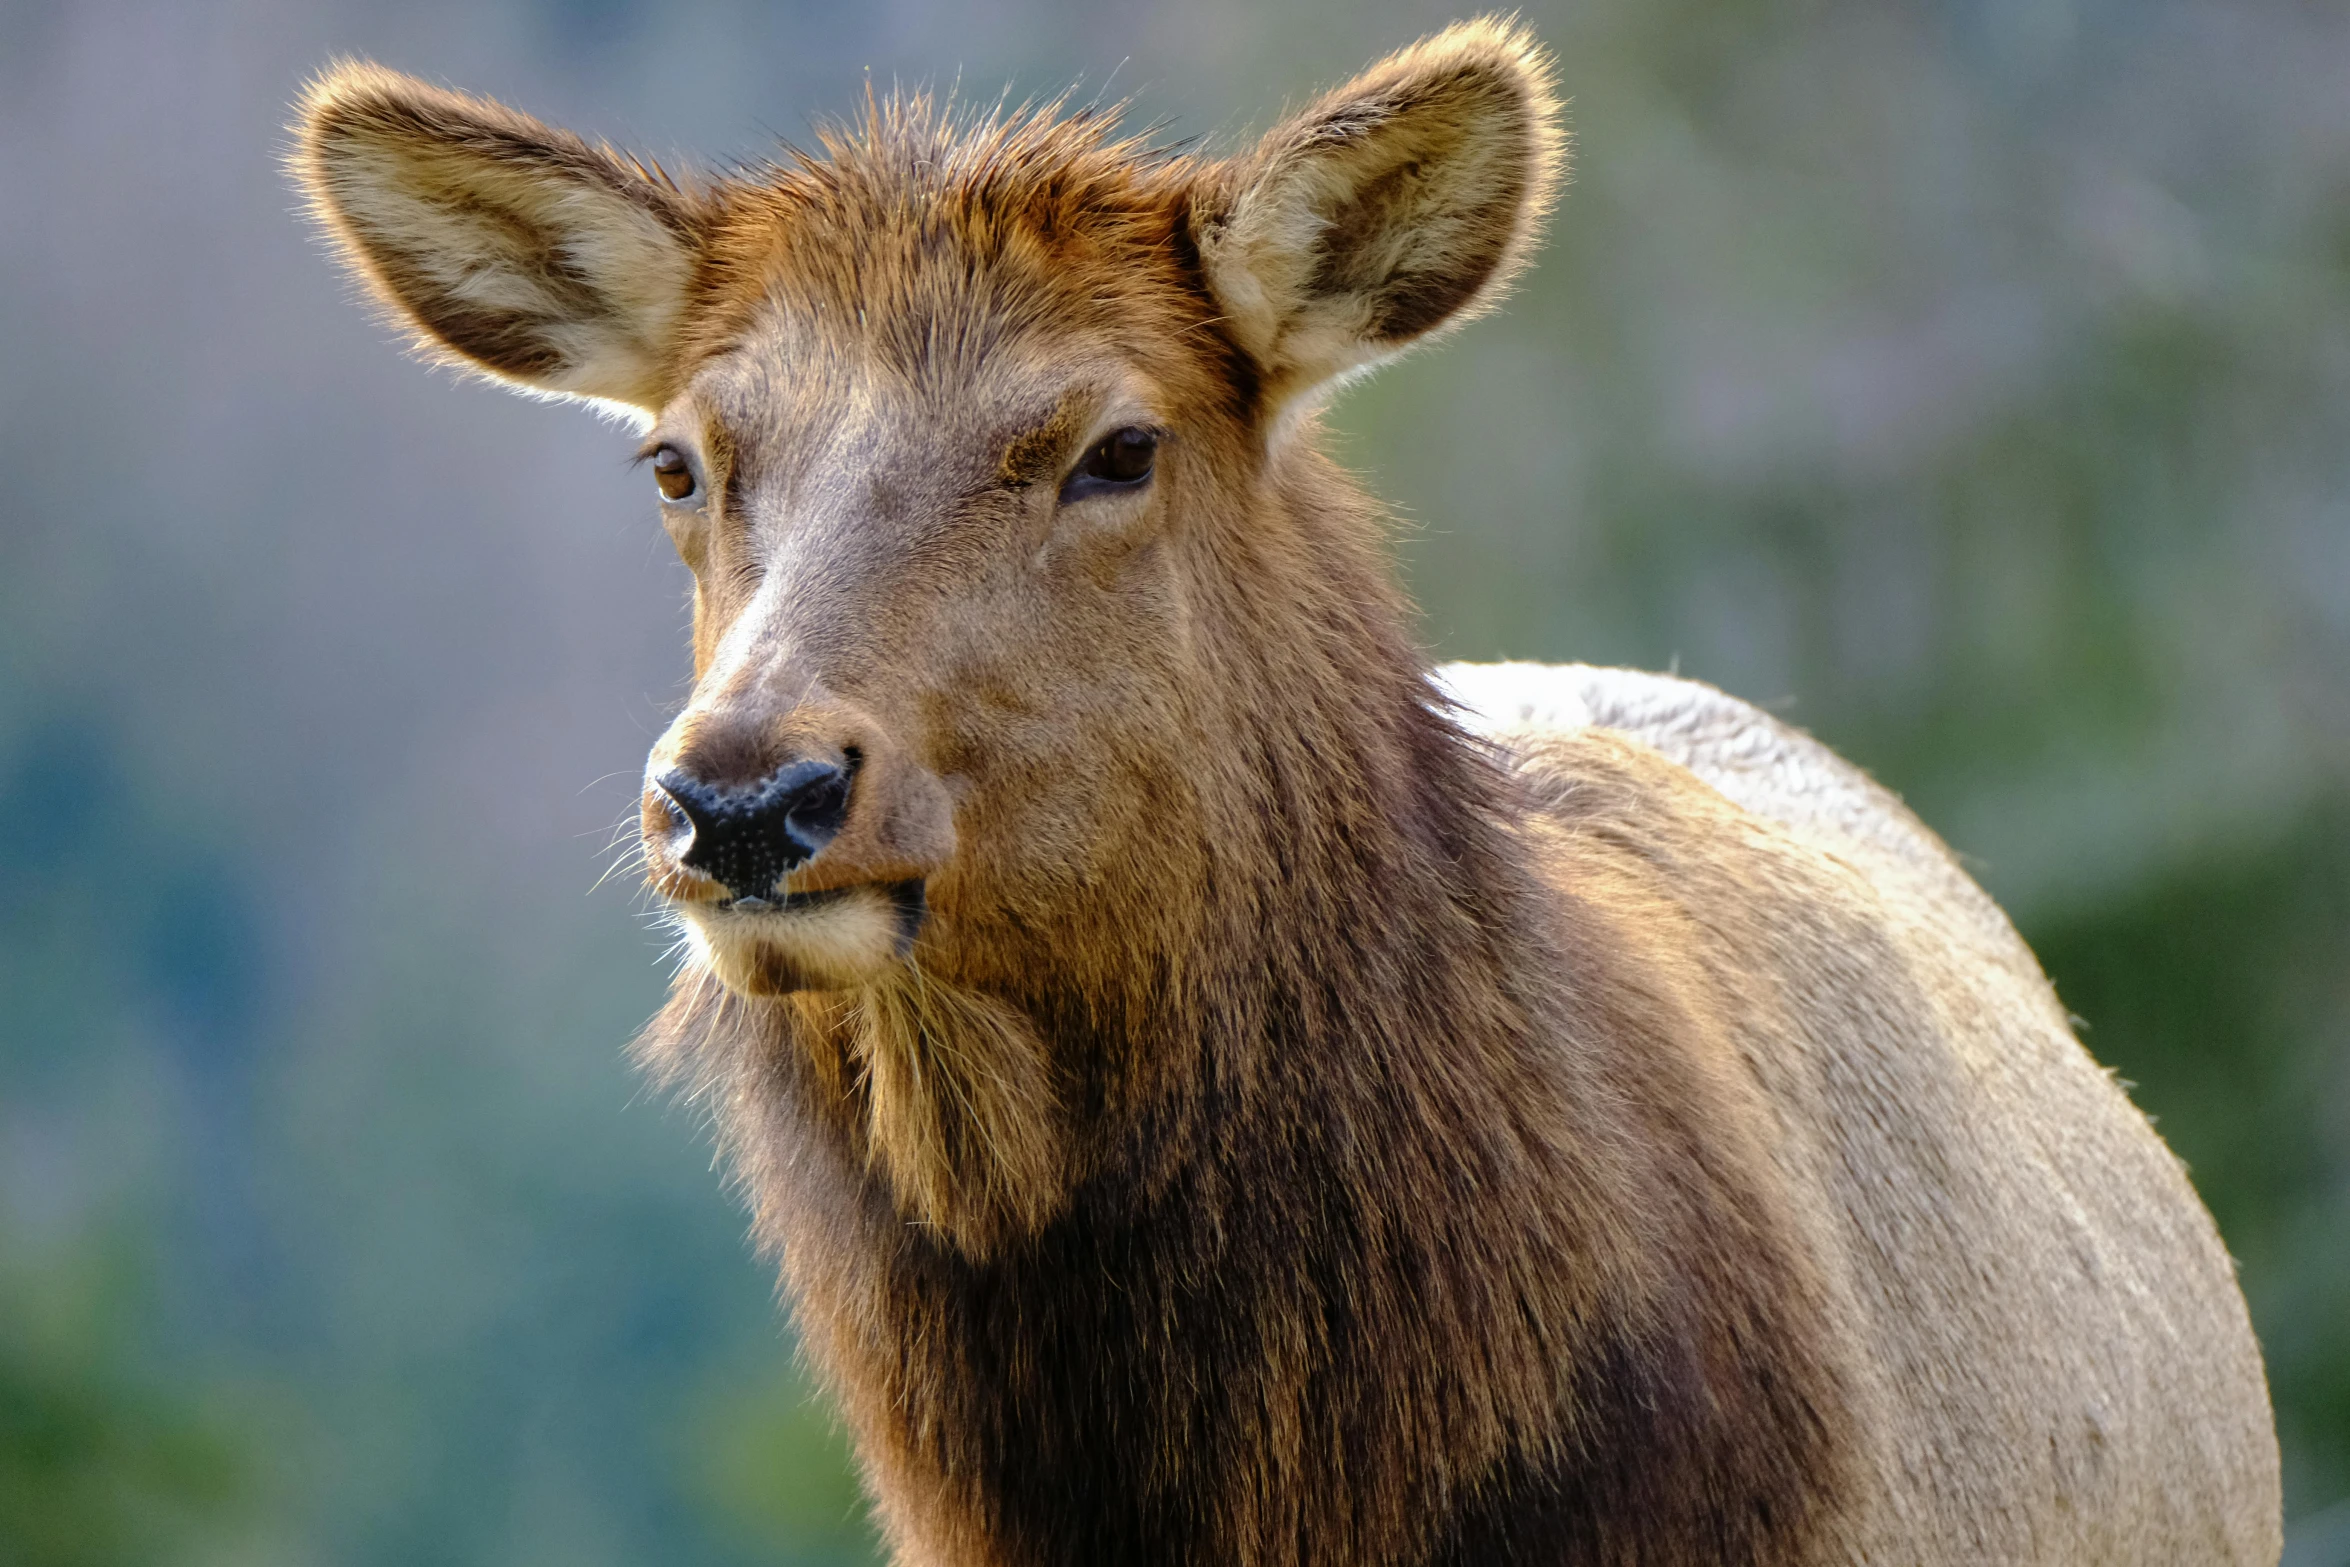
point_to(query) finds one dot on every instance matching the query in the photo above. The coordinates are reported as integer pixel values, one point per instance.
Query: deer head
(1023, 600)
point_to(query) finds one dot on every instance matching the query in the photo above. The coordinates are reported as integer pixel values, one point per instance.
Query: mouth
(908, 900)
(828, 939)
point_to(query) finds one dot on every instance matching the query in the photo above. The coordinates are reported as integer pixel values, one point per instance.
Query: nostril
(666, 787)
(691, 804)
(748, 838)
(814, 818)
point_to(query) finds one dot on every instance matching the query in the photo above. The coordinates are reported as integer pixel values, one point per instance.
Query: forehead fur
(934, 236)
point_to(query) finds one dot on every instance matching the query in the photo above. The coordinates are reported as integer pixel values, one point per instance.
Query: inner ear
(502, 244)
(1393, 208)
(1416, 242)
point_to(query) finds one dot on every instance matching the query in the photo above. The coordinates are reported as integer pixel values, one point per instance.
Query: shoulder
(1770, 769)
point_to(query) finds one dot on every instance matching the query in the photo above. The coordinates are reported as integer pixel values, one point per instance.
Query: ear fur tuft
(1390, 210)
(501, 244)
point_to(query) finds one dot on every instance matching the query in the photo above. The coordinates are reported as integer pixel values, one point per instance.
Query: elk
(1216, 1090)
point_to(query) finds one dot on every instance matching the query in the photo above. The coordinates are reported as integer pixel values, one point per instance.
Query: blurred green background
(1967, 382)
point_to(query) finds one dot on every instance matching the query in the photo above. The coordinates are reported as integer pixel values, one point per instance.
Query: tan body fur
(1214, 1094)
(2076, 1392)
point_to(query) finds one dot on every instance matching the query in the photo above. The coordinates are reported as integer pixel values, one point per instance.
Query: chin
(836, 940)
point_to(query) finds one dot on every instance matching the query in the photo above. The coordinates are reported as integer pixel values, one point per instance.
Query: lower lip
(790, 903)
(908, 898)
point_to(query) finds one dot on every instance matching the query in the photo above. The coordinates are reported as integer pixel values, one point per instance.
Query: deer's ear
(1394, 207)
(503, 245)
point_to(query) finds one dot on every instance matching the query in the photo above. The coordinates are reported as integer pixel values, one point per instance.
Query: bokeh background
(1965, 380)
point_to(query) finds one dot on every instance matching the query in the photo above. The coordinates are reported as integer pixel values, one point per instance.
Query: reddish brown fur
(1299, 1133)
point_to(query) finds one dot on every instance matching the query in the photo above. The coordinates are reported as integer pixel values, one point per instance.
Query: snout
(797, 848)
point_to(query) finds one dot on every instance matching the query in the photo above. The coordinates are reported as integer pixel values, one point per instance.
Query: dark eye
(673, 473)
(1119, 461)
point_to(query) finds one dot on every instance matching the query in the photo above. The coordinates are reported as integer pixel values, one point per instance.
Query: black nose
(747, 838)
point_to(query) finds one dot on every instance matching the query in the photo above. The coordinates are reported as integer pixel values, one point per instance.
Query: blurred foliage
(1966, 380)
(100, 1467)
(768, 1457)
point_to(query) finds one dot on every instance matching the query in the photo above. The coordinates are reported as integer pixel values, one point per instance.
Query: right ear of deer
(1393, 208)
(504, 245)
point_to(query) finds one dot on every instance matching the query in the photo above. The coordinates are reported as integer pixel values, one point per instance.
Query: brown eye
(673, 473)
(1120, 461)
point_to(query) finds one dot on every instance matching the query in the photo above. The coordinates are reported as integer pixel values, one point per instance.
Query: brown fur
(1289, 1129)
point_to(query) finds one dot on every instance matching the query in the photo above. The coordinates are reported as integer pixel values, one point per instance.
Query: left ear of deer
(502, 244)
(1394, 208)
